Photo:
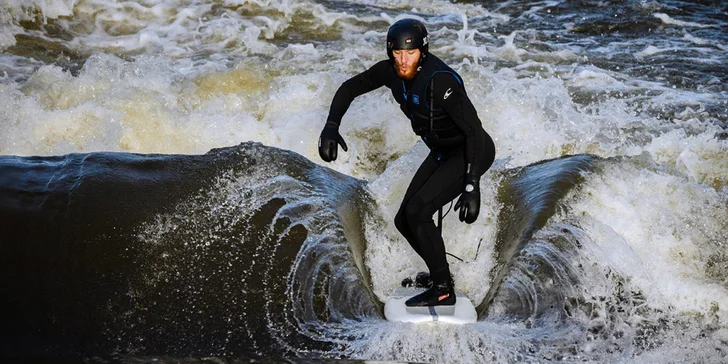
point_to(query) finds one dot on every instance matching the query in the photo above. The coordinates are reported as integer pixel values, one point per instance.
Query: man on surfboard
(433, 97)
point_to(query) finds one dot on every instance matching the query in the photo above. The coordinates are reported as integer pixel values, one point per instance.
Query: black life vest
(416, 100)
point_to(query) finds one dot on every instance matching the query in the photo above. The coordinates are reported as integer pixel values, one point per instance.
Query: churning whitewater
(161, 192)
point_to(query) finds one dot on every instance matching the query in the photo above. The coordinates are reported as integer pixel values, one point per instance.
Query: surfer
(433, 97)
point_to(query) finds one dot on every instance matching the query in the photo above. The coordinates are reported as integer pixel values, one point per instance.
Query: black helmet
(407, 34)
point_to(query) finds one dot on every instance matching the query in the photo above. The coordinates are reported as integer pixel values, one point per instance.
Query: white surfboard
(462, 312)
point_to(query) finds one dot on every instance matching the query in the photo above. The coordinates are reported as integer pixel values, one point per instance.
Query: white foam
(431, 7)
(536, 118)
(596, 80)
(651, 50)
(49, 9)
(658, 229)
(700, 41)
(112, 105)
(7, 36)
(666, 19)
(701, 157)
(435, 343)
(509, 51)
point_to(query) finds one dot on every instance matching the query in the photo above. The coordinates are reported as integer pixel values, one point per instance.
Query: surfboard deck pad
(462, 312)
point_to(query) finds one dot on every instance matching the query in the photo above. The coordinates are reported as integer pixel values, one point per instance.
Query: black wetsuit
(441, 113)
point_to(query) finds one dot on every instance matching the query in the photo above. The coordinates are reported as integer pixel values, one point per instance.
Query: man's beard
(408, 74)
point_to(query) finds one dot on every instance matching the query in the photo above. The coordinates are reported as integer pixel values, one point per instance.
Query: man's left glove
(329, 141)
(469, 201)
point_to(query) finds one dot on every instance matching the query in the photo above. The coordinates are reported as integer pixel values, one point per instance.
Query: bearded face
(405, 62)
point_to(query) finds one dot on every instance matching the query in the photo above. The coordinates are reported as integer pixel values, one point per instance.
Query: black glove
(330, 137)
(469, 201)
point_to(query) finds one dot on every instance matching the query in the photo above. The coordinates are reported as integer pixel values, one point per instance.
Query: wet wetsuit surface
(441, 113)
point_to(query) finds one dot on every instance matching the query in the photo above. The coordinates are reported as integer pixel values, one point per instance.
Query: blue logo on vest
(416, 99)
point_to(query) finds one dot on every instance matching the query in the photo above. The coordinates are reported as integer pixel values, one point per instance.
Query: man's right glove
(328, 142)
(469, 201)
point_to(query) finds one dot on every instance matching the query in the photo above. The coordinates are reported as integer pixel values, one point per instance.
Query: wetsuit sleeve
(450, 95)
(369, 80)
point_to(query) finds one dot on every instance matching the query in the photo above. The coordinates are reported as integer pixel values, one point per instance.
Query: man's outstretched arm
(362, 83)
(367, 81)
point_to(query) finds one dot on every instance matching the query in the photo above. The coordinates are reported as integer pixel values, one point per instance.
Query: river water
(161, 194)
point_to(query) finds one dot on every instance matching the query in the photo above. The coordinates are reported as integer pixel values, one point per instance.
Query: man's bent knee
(418, 211)
(400, 222)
